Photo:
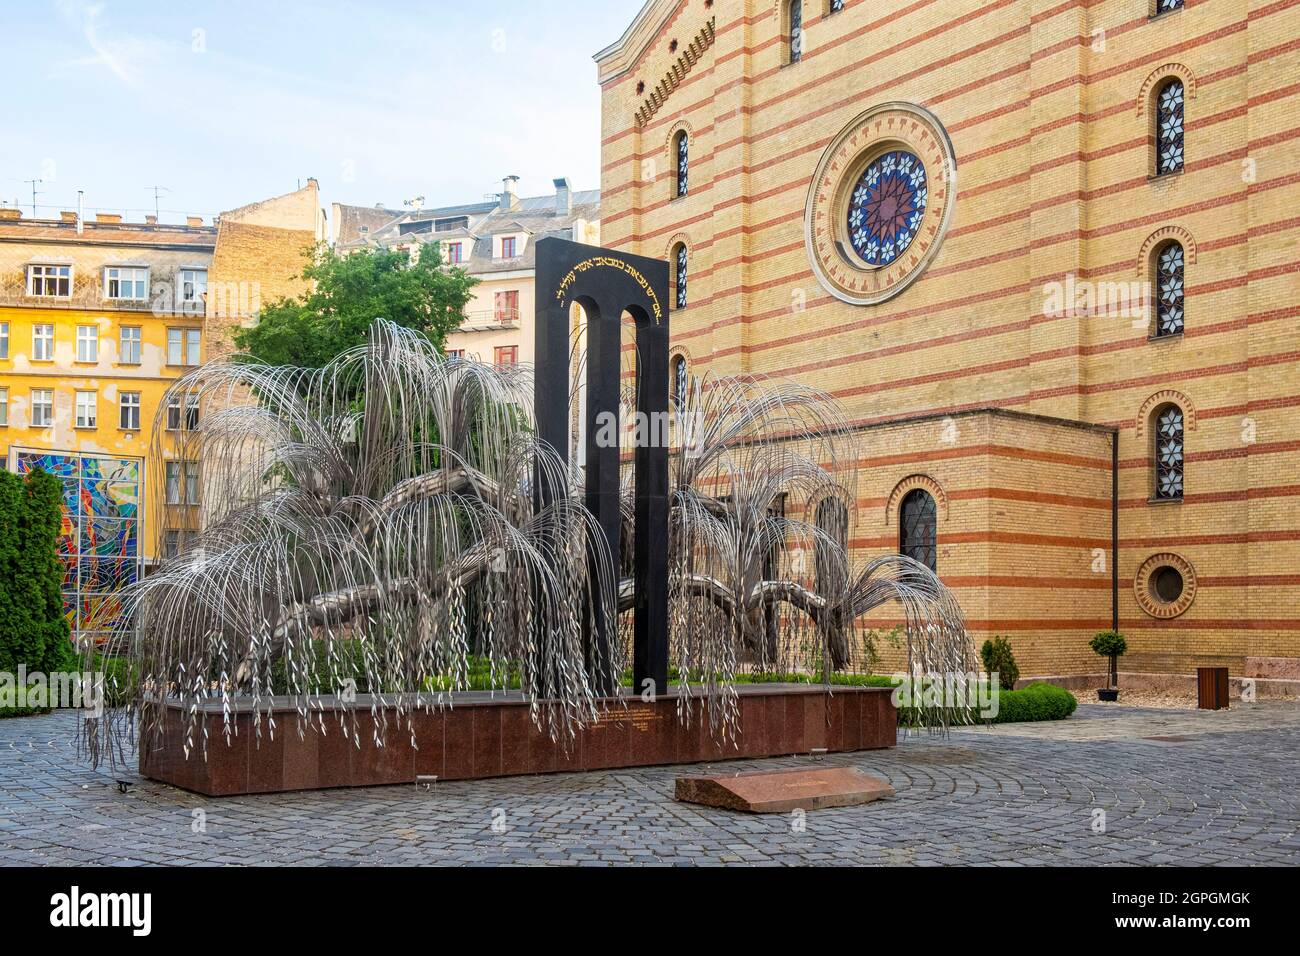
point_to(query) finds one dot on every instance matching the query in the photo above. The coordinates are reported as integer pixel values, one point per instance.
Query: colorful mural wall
(100, 542)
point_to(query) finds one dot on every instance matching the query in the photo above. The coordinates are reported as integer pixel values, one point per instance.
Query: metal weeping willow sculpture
(761, 579)
(398, 524)
(373, 523)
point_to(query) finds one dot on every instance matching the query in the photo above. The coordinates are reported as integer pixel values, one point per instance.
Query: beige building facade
(1044, 252)
(494, 242)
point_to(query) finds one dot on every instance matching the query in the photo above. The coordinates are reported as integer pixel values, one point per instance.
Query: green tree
(998, 659)
(33, 629)
(348, 293)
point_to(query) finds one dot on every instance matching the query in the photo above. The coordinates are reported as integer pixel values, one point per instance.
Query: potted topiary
(1109, 644)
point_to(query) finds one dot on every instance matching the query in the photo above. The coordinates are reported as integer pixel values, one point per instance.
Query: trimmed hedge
(1035, 702)
(23, 711)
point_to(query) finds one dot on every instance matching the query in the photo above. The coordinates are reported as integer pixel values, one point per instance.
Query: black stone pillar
(607, 284)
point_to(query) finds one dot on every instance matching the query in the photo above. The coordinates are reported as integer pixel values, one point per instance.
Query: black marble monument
(608, 284)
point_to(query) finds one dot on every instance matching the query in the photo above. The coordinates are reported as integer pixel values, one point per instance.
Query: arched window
(1169, 127)
(796, 31)
(1169, 288)
(678, 382)
(918, 528)
(828, 556)
(683, 151)
(1169, 453)
(679, 274)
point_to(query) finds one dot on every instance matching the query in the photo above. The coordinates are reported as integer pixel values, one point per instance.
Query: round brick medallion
(1165, 585)
(880, 203)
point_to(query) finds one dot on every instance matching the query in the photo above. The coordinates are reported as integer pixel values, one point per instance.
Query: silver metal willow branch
(377, 525)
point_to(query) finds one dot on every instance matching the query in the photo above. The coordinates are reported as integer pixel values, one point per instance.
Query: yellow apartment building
(97, 319)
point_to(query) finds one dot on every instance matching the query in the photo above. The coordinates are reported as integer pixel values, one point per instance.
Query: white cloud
(123, 55)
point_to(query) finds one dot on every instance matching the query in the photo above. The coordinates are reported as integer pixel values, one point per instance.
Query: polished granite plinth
(485, 735)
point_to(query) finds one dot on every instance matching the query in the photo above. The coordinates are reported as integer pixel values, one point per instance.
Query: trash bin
(1212, 688)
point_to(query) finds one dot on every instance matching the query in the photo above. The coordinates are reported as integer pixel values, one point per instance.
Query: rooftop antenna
(33, 183)
(156, 191)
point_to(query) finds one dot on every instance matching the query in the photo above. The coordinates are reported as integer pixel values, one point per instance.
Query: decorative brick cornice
(674, 77)
(1159, 238)
(911, 483)
(1161, 73)
(679, 238)
(1166, 396)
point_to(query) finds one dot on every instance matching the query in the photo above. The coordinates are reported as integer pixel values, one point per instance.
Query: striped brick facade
(1048, 108)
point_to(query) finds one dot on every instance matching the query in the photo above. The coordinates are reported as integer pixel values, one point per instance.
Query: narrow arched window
(1169, 288)
(796, 31)
(918, 528)
(1169, 453)
(678, 382)
(829, 554)
(679, 274)
(1169, 127)
(683, 151)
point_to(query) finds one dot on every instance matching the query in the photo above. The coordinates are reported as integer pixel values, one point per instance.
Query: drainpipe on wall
(1114, 530)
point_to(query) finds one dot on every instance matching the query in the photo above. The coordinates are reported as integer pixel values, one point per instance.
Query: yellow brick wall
(252, 266)
(1041, 101)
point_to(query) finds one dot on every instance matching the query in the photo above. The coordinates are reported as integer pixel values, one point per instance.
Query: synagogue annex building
(1044, 252)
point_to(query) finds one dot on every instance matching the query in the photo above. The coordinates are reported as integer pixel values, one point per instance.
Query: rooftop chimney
(10, 212)
(563, 196)
(510, 197)
(193, 220)
(107, 217)
(68, 215)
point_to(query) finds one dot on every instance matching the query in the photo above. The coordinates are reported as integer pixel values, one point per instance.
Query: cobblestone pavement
(1021, 794)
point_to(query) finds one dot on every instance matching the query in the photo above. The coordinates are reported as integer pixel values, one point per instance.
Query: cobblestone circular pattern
(1015, 795)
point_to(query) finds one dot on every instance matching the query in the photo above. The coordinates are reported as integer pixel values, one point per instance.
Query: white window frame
(191, 472)
(176, 336)
(46, 403)
(180, 472)
(87, 409)
(183, 415)
(4, 407)
(49, 272)
(4, 340)
(172, 482)
(188, 342)
(110, 277)
(190, 292)
(43, 342)
(128, 405)
(91, 353)
(136, 340)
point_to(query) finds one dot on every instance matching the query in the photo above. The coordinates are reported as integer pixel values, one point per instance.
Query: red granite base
(494, 737)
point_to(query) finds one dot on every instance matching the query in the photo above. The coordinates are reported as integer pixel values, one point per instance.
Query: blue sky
(226, 102)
